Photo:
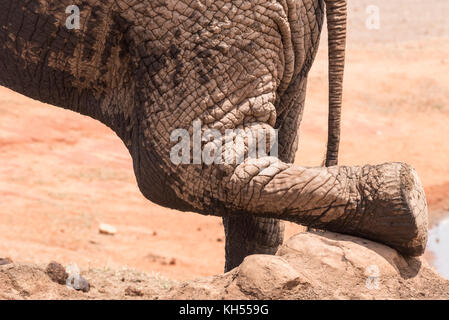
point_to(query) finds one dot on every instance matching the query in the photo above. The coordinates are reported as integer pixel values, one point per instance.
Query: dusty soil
(308, 266)
(62, 174)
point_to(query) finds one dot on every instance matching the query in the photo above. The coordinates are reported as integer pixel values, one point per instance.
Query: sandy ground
(62, 174)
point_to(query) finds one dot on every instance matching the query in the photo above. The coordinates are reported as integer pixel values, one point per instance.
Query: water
(439, 245)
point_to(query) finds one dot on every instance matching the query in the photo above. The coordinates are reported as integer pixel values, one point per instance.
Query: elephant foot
(247, 235)
(394, 208)
(384, 203)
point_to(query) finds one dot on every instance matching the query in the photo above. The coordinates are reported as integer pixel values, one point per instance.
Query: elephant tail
(336, 24)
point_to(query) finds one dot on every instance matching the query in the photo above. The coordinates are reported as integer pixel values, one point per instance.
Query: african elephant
(147, 67)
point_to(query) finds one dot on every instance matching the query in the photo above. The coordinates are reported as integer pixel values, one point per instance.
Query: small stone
(154, 233)
(133, 292)
(102, 290)
(56, 272)
(219, 239)
(4, 261)
(79, 283)
(84, 285)
(172, 261)
(75, 280)
(107, 229)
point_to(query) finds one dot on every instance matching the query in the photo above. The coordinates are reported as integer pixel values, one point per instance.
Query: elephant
(146, 68)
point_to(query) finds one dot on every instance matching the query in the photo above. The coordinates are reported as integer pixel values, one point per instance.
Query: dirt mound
(310, 265)
(22, 281)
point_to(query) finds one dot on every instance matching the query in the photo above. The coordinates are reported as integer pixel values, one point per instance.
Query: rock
(107, 229)
(75, 280)
(133, 292)
(259, 273)
(79, 284)
(5, 261)
(56, 272)
(322, 265)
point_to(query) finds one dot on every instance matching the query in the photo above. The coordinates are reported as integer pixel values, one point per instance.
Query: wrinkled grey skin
(145, 68)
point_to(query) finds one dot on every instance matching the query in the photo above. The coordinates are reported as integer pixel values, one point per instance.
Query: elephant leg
(384, 203)
(248, 235)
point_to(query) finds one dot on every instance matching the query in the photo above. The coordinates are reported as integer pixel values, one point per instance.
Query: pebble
(56, 272)
(107, 229)
(79, 284)
(133, 292)
(4, 261)
(75, 280)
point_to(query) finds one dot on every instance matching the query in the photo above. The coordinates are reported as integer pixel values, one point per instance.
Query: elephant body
(146, 68)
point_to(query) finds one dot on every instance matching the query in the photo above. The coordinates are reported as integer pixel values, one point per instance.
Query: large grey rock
(323, 265)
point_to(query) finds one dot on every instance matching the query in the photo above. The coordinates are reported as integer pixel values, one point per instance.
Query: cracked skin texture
(145, 68)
